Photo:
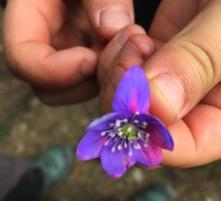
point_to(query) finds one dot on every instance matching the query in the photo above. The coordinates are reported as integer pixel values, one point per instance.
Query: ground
(32, 127)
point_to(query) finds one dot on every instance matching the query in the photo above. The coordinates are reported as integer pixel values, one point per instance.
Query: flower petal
(102, 123)
(133, 93)
(159, 134)
(115, 163)
(148, 157)
(90, 145)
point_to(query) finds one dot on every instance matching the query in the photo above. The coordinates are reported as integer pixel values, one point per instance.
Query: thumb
(108, 17)
(184, 70)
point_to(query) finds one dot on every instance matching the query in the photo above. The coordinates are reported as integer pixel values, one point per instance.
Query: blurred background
(27, 128)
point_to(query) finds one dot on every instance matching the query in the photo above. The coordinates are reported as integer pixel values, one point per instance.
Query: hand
(184, 73)
(52, 46)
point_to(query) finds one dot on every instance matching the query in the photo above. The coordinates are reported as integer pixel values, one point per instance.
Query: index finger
(28, 30)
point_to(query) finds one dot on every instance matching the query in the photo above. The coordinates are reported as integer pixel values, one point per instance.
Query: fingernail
(172, 90)
(114, 17)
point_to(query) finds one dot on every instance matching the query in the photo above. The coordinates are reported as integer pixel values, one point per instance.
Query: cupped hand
(53, 45)
(180, 55)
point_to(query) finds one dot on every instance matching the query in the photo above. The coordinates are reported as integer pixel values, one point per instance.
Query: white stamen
(118, 123)
(112, 134)
(111, 125)
(137, 145)
(119, 147)
(103, 133)
(136, 121)
(113, 149)
(147, 135)
(139, 135)
(145, 145)
(125, 120)
(125, 144)
(144, 124)
(120, 133)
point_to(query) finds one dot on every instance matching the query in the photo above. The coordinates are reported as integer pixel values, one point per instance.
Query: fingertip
(138, 48)
(108, 17)
(42, 66)
(111, 51)
(69, 67)
(112, 20)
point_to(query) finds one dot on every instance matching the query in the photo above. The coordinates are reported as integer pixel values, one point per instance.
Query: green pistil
(129, 131)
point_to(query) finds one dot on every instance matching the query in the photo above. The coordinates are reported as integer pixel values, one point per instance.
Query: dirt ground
(33, 127)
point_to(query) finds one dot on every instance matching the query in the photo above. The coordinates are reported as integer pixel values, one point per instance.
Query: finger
(214, 97)
(42, 66)
(135, 51)
(76, 94)
(113, 48)
(30, 55)
(76, 31)
(138, 48)
(196, 138)
(169, 20)
(108, 17)
(184, 70)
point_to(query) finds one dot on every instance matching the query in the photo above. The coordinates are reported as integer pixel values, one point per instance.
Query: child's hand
(184, 74)
(51, 45)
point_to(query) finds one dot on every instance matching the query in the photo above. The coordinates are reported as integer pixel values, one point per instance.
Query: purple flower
(129, 135)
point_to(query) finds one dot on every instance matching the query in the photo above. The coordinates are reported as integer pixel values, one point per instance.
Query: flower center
(127, 135)
(129, 131)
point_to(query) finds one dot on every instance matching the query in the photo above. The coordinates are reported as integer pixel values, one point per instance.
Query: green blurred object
(156, 192)
(56, 163)
(3, 132)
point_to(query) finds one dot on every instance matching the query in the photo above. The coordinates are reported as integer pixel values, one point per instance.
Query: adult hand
(184, 73)
(52, 46)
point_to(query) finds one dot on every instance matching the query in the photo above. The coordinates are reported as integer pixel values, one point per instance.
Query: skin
(41, 37)
(180, 54)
